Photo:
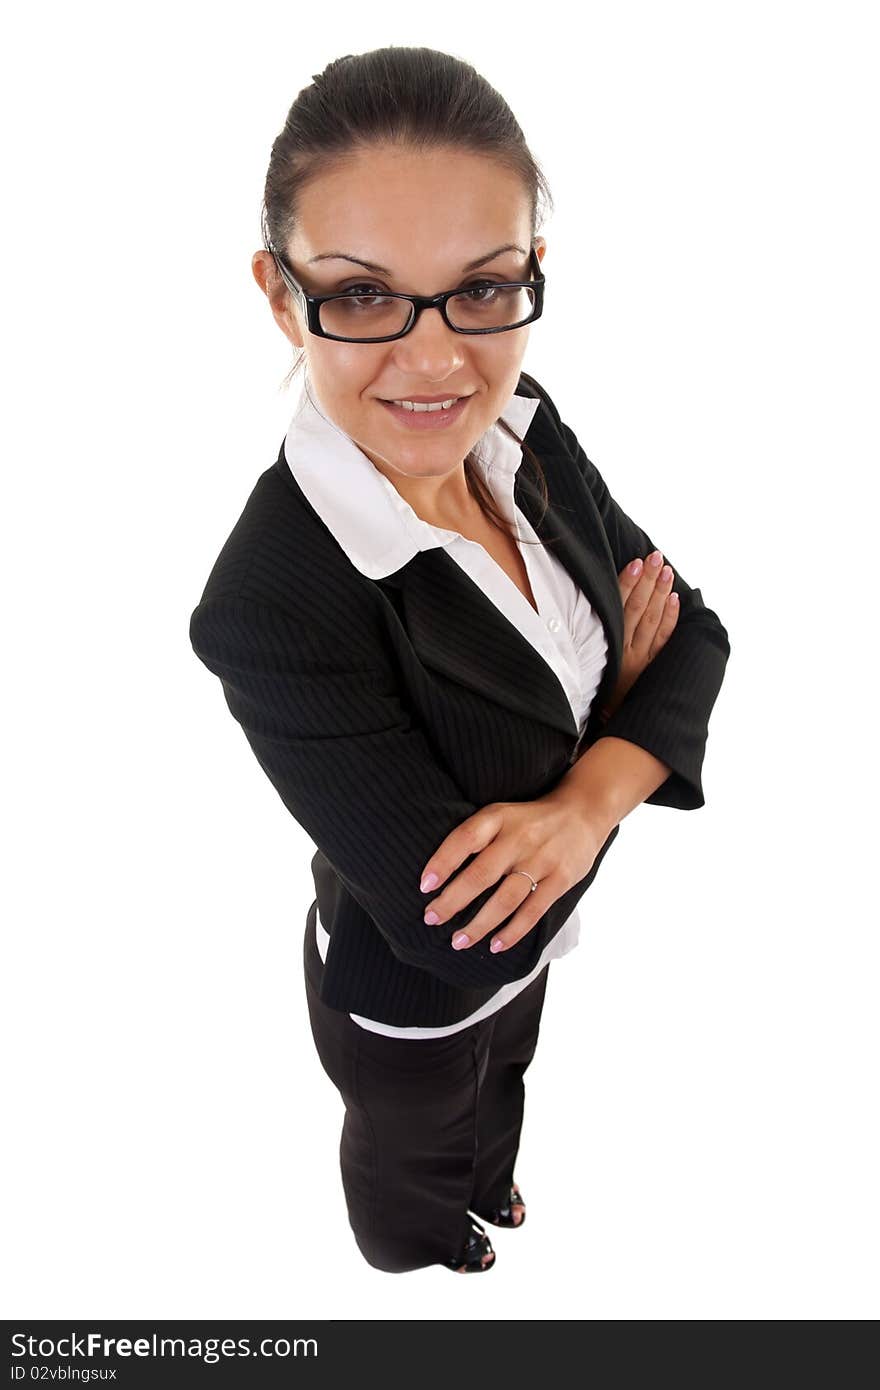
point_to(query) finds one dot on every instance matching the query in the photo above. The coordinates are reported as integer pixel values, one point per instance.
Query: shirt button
(553, 624)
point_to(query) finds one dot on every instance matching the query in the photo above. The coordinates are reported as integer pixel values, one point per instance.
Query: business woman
(426, 622)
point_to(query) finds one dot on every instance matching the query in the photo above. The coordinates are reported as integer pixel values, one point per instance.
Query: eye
(363, 290)
(473, 291)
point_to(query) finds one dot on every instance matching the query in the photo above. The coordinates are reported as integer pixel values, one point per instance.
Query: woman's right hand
(650, 612)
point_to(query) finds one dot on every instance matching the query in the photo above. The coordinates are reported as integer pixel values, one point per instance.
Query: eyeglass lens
(377, 316)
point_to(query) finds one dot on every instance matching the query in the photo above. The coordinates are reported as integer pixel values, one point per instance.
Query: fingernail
(656, 558)
(673, 599)
(497, 945)
(635, 567)
(431, 917)
(460, 940)
(428, 882)
(666, 573)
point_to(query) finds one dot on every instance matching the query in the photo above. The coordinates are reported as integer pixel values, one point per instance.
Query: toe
(485, 1261)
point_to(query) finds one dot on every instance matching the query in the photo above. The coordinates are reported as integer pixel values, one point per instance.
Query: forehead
(411, 212)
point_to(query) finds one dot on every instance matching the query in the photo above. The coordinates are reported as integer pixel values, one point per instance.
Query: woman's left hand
(554, 844)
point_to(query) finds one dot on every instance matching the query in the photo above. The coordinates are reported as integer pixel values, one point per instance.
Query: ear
(263, 268)
(265, 272)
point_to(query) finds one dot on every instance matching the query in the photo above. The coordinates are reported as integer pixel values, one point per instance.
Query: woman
(440, 657)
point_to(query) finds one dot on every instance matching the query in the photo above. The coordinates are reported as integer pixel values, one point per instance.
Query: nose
(431, 348)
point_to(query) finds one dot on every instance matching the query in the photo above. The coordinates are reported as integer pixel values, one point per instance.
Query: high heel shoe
(503, 1216)
(477, 1245)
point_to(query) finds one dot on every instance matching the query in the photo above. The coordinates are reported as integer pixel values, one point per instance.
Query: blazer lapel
(459, 632)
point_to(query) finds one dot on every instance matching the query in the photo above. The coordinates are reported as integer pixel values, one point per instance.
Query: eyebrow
(383, 270)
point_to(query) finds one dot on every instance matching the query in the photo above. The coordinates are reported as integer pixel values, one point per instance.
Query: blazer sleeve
(357, 772)
(666, 710)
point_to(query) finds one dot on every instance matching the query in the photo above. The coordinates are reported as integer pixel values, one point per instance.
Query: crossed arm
(359, 774)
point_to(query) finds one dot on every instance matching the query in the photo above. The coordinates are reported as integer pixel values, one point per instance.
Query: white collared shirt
(380, 532)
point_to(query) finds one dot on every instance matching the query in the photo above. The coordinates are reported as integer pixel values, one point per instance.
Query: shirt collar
(376, 527)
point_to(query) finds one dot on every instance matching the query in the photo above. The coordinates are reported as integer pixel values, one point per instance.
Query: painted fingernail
(497, 945)
(428, 882)
(656, 558)
(673, 599)
(431, 917)
(460, 940)
(635, 567)
(666, 573)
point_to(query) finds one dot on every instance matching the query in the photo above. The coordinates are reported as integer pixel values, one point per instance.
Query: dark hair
(413, 97)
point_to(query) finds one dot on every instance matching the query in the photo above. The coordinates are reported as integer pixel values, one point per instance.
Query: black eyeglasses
(365, 313)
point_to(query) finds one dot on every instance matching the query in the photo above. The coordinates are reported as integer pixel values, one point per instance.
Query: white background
(701, 1124)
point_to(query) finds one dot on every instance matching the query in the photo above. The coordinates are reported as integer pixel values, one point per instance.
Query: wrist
(609, 780)
(586, 797)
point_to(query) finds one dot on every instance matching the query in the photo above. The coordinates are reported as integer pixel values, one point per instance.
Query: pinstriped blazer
(386, 711)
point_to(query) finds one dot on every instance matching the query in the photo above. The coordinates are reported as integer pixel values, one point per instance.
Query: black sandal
(476, 1246)
(503, 1216)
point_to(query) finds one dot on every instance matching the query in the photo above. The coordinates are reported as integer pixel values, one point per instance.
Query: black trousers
(432, 1125)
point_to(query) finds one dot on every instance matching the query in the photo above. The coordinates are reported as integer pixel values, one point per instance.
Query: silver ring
(528, 876)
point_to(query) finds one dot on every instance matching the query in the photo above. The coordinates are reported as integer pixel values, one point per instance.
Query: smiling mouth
(442, 404)
(427, 400)
(430, 416)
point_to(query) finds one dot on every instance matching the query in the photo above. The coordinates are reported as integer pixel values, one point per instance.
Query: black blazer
(385, 712)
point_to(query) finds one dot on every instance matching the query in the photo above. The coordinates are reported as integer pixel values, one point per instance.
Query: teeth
(426, 405)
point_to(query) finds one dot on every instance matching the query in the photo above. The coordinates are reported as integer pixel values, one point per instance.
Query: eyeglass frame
(311, 303)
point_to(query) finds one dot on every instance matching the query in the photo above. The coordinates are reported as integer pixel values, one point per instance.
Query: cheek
(498, 365)
(510, 360)
(348, 370)
(342, 377)
(498, 360)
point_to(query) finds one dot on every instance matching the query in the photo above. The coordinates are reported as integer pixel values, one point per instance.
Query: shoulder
(280, 557)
